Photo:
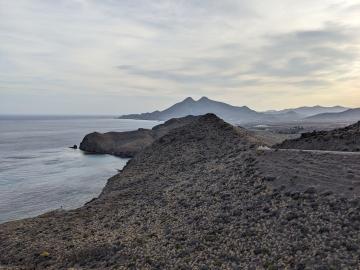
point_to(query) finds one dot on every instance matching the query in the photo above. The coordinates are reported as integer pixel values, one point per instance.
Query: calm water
(38, 172)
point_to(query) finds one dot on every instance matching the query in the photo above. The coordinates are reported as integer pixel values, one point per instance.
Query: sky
(129, 56)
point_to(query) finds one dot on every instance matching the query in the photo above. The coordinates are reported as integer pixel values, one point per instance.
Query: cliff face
(128, 144)
(194, 199)
(123, 144)
(342, 139)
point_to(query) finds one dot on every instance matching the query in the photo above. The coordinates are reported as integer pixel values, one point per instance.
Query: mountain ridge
(231, 113)
(204, 105)
(348, 115)
(307, 111)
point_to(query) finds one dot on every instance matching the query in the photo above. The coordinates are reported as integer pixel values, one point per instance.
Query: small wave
(21, 157)
(52, 162)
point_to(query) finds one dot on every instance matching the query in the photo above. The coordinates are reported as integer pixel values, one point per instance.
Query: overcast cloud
(114, 57)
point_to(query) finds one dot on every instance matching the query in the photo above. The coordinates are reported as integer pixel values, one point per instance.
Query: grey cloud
(173, 48)
(196, 79)
(307, 53)
(311, 83)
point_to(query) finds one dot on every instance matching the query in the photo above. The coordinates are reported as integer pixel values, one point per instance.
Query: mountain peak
(188, 99)
(203, 99)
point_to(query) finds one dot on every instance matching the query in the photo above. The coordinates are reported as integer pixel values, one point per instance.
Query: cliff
(128, 144)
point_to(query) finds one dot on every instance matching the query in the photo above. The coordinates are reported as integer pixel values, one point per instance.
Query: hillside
(197, 198)
(342, 139)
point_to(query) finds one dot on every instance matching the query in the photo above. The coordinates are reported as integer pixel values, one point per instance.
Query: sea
(38, 170)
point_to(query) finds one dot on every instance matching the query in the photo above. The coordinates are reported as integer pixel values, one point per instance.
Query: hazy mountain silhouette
(202, 106)
(351, 115)
(232, 114)
(307, 111)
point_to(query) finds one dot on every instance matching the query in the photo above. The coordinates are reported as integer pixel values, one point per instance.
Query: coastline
(39, 172)
(196, 197)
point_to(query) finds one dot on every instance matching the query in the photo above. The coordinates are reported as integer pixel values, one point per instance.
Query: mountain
(306, 111)
(351, 115)
(204, 105)
(232, 114)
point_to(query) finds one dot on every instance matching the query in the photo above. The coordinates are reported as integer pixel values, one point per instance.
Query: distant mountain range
(234, 114)
(350, 115)
(310, 111)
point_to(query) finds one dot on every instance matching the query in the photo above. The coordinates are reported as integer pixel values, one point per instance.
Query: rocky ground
(128, 144)
(197, 198)
(298, 170)
(341, 139)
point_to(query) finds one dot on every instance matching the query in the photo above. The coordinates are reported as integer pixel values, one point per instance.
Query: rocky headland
(341, 139)
(203, 196)
(128, 144)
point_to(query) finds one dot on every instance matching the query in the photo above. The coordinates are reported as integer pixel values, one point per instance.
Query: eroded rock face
(128, 144)
(194, 199)
(342, 139)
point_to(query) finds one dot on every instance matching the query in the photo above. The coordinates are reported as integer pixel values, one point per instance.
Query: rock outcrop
(194, 199)
(342, 139)
(128, 144)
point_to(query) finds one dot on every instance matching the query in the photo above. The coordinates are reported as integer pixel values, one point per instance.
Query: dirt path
(345, 153)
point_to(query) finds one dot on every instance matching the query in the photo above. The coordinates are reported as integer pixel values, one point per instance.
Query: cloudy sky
(123, 56)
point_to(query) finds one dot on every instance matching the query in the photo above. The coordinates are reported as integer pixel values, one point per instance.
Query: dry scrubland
(341, 139)
(203, 197)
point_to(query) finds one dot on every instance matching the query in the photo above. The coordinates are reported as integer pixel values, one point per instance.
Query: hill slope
(192, 200)
(342, 139)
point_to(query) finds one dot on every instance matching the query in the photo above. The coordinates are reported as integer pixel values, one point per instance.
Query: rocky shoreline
(198, 197)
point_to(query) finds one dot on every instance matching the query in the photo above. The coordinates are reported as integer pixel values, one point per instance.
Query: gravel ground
(195, 199)
(338, 172)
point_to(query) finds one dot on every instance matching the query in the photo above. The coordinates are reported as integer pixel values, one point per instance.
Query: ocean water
(38, 172)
